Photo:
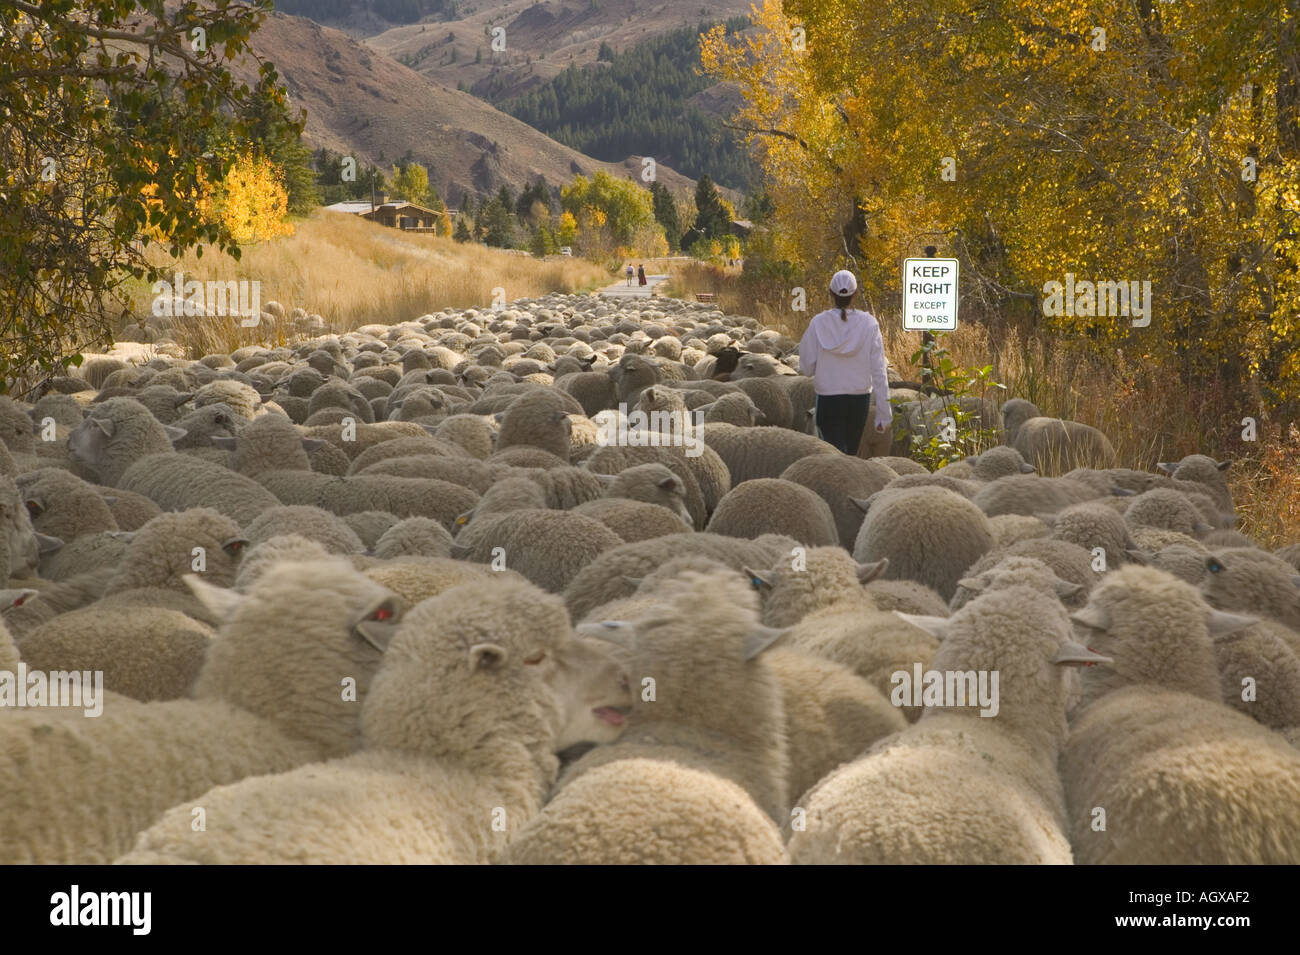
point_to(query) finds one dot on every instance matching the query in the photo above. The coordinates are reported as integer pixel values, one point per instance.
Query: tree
(543, 242)
(623, 205)
(1157, 142)
(567, 234)
(109, 106)
(497, 220)
(249, 202)
(713, 214)
(462, 233)
(605, 53)
(666, 214)
(411, 182)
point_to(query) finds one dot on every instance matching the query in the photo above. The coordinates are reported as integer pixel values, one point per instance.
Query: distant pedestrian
(844, 353)
(629, 273)
(640, 275)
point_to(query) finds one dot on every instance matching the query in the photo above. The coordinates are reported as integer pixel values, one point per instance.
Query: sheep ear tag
(1222, 624)
(174, 434)
(222, 602)
(934, 626)
(16, 597)
(1077, 655)
(486, 656)
(760, 638)
(759, 581)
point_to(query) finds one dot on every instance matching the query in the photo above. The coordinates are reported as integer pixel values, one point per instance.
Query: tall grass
(352, 272)
(1146, 413)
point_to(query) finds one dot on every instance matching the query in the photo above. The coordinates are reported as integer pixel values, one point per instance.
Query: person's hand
(880, 428)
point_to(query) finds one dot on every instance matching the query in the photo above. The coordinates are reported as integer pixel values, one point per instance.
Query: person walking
(640, 275)
(629, 273)
(844, 353)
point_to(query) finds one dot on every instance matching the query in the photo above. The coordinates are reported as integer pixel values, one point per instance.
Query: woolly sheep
(955, 787)
(270, 697)
(270, 443)
(149, 653)
(480, 687)
(131, 511)
(414, 536)
(474, 433)
(1091, 526)
(930, 535)
(907, 596)
(204, 424)
(1183, 778)
(1253, 581)
(539, 420)
(62, 505)
(1030, 494)
(172, 546)
(406, 447)
(1013, 571)
(1165, 509)
(651, 484)
(369, 526)
(1185, 562)
(762, 452)
(1010, 529)
(998, 462)
(1259, 673)
(275, 550)
(310, 522)
(1070, 562)
(774, 506)
(1052, 445)
(736, 409)
(900, 466)
(607, 577)
(613, 460)
(116, 434)
(840, 481)
(1290, 554)
(548, 547)
(1206, 472)
(633, 520)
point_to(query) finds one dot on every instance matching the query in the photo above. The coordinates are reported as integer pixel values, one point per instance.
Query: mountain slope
(359, 102)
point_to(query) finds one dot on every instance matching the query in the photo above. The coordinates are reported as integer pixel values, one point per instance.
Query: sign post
(929, 300)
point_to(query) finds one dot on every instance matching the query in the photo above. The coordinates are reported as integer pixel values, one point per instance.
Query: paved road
(621, 289)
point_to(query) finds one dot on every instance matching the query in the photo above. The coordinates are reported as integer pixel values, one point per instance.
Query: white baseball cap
(843, 283)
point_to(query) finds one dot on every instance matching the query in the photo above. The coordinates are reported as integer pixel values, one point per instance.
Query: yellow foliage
(250, 200)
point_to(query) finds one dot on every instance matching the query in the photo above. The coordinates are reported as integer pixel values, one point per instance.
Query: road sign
(929, 294)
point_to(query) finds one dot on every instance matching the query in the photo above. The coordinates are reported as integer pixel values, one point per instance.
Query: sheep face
(594, 692)
(88, 441)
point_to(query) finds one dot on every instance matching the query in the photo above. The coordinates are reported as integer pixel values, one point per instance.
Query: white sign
(929, 294)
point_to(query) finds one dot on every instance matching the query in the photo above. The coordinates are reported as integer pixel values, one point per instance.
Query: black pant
(841, 418)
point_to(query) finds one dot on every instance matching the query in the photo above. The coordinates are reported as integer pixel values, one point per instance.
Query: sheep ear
(1047, 517)
(934, 626)
(761, 638)
(48, 544)
(1117, 491)
(1224, 464)
(1073, 654)
(1222, 624)
(460, 551)
(1164, 467)
(758, 580)
(621, 632)
(182, 398)
(1138, 556)
(378, 633)
(607, 479)
(235, 546)
(1065, 590)
(1028, 469)
(870, 571)
(225, 443)
(106, 425)
(487, 656)
(975, 585)
(632, 582)
(431, 428)
(221, 602)
(669, 484)
(312, 444)
(1092, 616)
(174, 434)
(16, 597)
(861, 503)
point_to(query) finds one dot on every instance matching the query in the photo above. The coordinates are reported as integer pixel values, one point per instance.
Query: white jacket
(847, 358)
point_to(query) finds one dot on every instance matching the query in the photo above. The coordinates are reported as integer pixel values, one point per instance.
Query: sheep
(1290, 554)
(172, 546)
(771, 398)
(548, 547)
(402, 447)
(1253, 581)
(1259, 672)
(148, 653)
(633, 520)
(1070, 562)
(702, 645)
(614, 460)
(1010, 529)
(907, 596)
(1165, 509)
(275, 550)
(204, 424)
(270, 697)
(1183, 779)
(840, 481)
(1031, 495)
(131, 511)
(330, 531)
(481, 686)
(270, 443)
(566, 487)
(736, 408)
(62, 505)
(1013, 571)
(474, 433)
(538, 420)
(369, 526)
(1051, 444)
(403, 497)
(417, 578)
(930, 535)
(998, 462)
(115, 435)
(414, 536)
(955, 788)
(1093, 526)
(1203, 470)
(651, 484)
(243, 400)
(1185, 562)
(774, 506)
(763, 452)
(632, 375)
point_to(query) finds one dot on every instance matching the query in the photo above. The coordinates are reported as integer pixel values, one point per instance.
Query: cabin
(396, 214)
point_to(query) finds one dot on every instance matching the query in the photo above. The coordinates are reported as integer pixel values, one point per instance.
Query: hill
(359, 102)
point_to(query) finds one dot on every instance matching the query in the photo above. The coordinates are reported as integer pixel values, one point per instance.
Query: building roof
(354, 207)
(363, 207)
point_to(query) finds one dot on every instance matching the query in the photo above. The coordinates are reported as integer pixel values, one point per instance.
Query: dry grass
(1147, 416)
(352, 272)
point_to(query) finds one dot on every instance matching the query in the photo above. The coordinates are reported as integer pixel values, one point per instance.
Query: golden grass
(353, 272)
(1147, 416)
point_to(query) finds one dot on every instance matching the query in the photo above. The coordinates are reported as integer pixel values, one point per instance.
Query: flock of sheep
(395, 596)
